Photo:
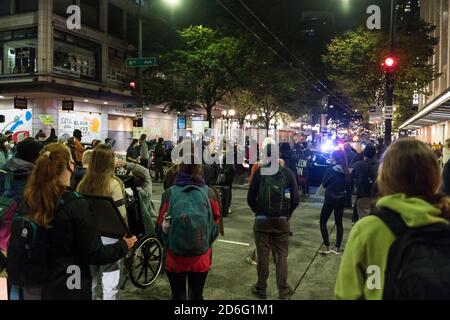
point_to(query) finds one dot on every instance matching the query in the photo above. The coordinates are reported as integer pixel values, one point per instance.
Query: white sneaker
(337, 251)
(324, 250)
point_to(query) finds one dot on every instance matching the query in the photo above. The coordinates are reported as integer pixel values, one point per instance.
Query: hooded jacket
(334, 181)
(369, 242)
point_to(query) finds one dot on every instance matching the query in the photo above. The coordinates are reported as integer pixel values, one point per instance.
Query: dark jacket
(362, 172)
(334, 181)
(446, 179)
(159, 151)
(75, 241)
(253, 191)
(78, 174)
(21, 170)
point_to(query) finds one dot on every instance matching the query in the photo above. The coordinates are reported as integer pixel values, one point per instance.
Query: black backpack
(272, 200)
(29, 257)
(368, 186)
(418, 264)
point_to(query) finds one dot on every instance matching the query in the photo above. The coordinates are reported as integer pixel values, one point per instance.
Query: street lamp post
(140, 91)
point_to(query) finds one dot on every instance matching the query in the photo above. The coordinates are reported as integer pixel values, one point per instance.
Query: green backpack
(271, 199)
(192, 225)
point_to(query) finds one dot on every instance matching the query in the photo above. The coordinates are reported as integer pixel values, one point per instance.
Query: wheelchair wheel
(146, 262)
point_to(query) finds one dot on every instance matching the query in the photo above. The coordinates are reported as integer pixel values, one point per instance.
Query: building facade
(45, 62)
(431, 123)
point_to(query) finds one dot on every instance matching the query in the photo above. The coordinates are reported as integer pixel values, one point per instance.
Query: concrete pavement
(310, 274)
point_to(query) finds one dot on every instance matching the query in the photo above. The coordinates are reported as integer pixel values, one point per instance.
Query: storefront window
(76, 57)
(18, 51)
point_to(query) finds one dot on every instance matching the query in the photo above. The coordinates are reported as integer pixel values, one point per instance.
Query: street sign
(141, 62)
(67, 105)
(139, 113)
(388, 112)
(130, 105)
(20, 103)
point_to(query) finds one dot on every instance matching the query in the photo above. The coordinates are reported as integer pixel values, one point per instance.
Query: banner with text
(89, 125)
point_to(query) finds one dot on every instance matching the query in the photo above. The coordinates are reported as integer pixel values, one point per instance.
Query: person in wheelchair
(143, 182)
(100, 180)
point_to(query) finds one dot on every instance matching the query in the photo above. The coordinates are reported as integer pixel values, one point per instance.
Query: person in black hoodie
(334, 181)
(73, 237)
(52, 137)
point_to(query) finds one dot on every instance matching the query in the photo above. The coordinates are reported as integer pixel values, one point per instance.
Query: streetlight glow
(232, 113)
(172, 3)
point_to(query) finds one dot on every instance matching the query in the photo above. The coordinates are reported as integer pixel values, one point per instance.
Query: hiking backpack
(418, 264)
(271, 195)
(192, 226)
(28, 260)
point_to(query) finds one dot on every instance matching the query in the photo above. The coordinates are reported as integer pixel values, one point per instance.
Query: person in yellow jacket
(408, 179)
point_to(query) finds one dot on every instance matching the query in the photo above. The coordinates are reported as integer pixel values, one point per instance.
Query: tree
(354, 63)
(242, 102)
(201, 73)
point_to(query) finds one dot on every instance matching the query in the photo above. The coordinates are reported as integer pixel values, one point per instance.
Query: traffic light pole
(140, 88)
(390, 78)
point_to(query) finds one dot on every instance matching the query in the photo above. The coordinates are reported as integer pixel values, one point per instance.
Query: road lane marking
(235, 242)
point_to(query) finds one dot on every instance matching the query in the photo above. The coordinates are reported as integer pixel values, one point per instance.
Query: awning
(435, 112)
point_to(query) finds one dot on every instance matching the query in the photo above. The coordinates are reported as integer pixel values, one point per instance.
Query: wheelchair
(145, 261)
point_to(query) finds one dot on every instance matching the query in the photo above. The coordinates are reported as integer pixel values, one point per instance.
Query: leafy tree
(354, 62)
(200, 73)
(242, 102)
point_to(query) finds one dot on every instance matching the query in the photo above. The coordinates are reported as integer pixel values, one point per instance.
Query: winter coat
(335, 181)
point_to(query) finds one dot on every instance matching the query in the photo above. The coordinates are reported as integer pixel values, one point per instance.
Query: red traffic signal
(390, 63)
(132, 85)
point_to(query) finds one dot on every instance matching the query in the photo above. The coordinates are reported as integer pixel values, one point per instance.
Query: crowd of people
(44, 207)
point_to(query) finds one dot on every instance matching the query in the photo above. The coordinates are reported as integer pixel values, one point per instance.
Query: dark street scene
(245, 151)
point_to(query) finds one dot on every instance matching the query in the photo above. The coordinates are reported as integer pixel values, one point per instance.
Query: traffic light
(132, 87)
(390, 64)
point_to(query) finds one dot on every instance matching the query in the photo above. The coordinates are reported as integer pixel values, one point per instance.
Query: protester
(80, 171)
(409, 202)
(159, 160)
(100, 180)
(187, 257)
(365, 174)
(133, 151)
(4, 151)
(303, 168)
(143, 152)
(273, 199)
(52, 137)
(13, 177)
(335, 182)
(350, 154)
(79, 149)
(65, 224)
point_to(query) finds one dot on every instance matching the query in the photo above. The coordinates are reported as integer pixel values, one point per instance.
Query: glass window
(132, 29)
(91, 13)
(60, 6)
(75, 61)
(115, 21)
(26, 6)
(18, 57)
(117, 72)
(5, 7)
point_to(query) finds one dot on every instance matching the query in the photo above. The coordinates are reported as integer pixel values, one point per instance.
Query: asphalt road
(311, 275)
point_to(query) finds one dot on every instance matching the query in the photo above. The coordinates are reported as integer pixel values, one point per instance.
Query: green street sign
(141, 62)
(131, 105)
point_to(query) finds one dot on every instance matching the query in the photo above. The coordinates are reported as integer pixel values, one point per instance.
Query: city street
(310, 274)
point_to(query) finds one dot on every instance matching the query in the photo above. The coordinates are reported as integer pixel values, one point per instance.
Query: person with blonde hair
(66, 235)
(409, 209)
(100, 180)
